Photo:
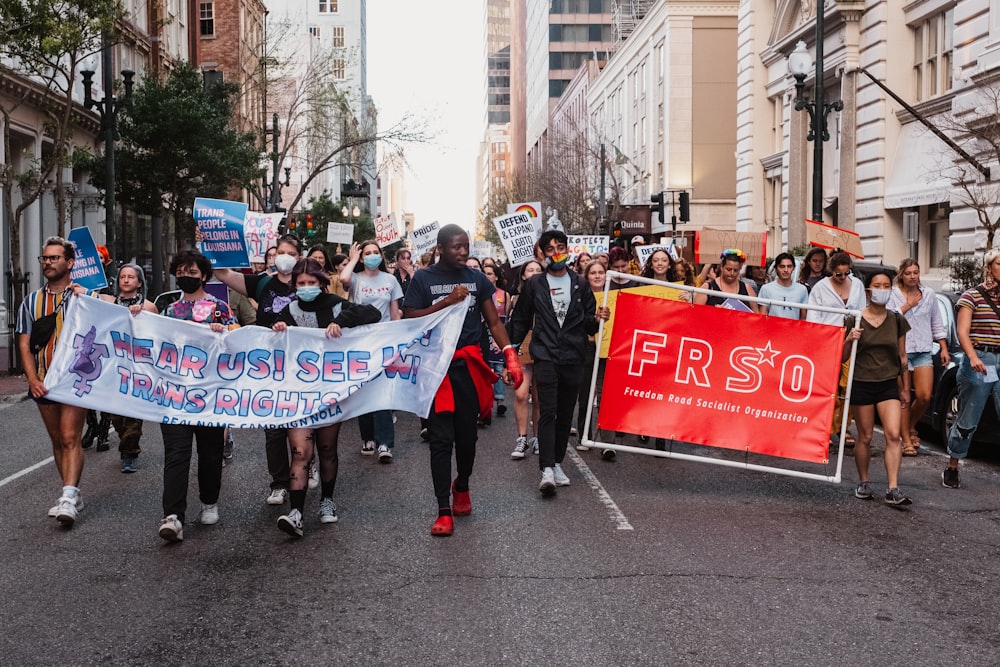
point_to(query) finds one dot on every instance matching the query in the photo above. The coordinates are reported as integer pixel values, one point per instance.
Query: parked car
(944, 404)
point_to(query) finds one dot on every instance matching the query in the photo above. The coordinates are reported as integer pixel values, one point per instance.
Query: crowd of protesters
(533, 328)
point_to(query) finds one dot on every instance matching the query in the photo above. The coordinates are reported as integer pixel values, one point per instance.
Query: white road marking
(24, 472)
(614, 512)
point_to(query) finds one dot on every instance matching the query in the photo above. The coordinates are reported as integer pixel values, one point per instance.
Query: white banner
(588, 244)
(424, 238)
(518, 236)
(172, 371)
(385, 230)
(340, 232)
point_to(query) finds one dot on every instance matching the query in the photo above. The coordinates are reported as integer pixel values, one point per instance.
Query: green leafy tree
(42, 45)
(325, 210)
(178, 143)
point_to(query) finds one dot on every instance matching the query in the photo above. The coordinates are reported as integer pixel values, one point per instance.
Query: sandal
(910, 450)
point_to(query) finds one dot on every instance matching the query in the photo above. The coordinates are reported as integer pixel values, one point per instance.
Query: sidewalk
(13, 388)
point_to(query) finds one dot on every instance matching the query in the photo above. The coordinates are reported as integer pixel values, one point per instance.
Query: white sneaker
(327, 511)
(520, 447)
(548, 484)
(534, 445)
(384, 454)
(291, 523)
(171, 529)
(209, 515)
(368, 448)
(66, 511)
(278, 497)
(54, 510)
(559, 476)
(313, 475)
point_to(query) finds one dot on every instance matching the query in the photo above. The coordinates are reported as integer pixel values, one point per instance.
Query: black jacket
(550, 342)
(332, 309)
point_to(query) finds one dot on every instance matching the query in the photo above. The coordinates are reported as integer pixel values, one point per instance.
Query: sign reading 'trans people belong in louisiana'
(87, 268)
(220, 223)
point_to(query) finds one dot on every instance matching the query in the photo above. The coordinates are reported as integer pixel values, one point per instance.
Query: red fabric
(483, 378)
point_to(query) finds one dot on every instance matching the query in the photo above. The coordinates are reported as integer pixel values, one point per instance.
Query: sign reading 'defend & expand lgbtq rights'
(517, 233)
(221, 225)
(722, 378)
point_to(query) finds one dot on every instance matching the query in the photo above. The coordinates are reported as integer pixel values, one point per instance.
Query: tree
(323, 124)
(177, 143)
(324, 211)
(42, 46)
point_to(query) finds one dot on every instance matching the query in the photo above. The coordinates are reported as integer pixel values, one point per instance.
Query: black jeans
(458, 430)
(177, 442)
(276, 448)
(558, 388)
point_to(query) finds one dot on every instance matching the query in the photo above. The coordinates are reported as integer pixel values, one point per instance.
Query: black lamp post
(108, 109)
(799, 64)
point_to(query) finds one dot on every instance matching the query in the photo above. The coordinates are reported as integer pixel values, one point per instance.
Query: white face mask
(881, 296)
(284, 263)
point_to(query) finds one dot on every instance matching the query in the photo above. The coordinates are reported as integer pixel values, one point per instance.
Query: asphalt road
(643, 561)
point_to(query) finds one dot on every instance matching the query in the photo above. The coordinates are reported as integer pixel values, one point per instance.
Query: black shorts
(873, 393)
(40, 401)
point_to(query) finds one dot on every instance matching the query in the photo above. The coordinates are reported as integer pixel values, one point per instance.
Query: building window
(338, 68)
(328, 6)
(932, 51)
(338, 36)
(206, 19)
(314, 31)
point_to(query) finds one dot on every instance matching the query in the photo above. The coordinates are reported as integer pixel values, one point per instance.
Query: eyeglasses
(49, 259)
(842, 275)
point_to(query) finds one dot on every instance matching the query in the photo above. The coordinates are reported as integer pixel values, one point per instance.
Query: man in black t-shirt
(468, 387)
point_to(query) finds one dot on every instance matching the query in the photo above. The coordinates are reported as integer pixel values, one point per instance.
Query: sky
(426, 58)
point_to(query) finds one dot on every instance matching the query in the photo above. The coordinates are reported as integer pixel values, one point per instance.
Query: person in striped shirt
(64, 423)
(978, 325)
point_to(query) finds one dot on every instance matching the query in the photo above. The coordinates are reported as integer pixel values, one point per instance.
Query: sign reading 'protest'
(517, 233)
(588, 244)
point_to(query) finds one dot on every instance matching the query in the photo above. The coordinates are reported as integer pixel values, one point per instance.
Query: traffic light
(291, 225)
(309, 225)
(616, 234)
(659, 205)
(685, 203)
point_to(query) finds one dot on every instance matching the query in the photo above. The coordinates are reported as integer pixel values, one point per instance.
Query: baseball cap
(638, 239)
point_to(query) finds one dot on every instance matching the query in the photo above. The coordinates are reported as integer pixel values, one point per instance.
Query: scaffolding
(626, 16)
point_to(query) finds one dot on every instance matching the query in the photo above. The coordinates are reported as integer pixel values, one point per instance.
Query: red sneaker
(461, 502)
(443, 527)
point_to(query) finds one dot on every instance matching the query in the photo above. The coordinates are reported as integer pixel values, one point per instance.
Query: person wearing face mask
(880, 383)
(317, 308)
(272, 293)
(560, 310)
(368, 282)
(192, 270)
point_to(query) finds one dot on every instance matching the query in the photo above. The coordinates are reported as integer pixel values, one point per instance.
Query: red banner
(722, 378)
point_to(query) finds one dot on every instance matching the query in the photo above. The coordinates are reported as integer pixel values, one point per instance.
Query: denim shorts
(919, 359)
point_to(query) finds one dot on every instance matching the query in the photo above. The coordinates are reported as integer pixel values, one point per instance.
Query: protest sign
(722, 378)
(830, 238)
(261, 232)
(340, 232)
(517, 233)
(424, 238)
(385, 231)
(644, 252)
(178, 372)
(481, 249)
(709, 244)
(221, 225)
(532, 209)
(656, 291)
(88, 270)
(587, 244)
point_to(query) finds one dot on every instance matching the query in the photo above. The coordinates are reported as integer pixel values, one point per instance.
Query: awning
(920, 169)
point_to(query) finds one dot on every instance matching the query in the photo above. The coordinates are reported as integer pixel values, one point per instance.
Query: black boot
(102, 432)
(92, 427)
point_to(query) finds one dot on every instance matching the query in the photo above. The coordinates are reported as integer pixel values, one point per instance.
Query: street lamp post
(108, 109)
(799, 64)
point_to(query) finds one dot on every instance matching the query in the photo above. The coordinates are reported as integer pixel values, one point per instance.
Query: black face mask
(189, 284)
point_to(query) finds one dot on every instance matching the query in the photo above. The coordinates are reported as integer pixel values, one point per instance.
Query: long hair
(647, 269)
(806, 269)
(360, 266)
(903, 266)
